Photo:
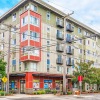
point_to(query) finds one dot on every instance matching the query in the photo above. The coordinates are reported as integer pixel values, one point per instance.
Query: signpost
(4, 79)
(80, 79)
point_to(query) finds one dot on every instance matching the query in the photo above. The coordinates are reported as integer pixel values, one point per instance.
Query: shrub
(47, 91)
(2, 93)
(54, 91)
(39, 92)
(43, 92)
(69, 92)
(34, 93)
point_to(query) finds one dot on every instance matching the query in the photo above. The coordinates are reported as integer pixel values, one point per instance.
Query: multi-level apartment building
(38, 43)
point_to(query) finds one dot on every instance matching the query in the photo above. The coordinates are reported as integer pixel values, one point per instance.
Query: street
(52, 97)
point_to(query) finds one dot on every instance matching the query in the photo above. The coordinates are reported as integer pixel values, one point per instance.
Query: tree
(2, 68)
(85, 70)
(97, 75)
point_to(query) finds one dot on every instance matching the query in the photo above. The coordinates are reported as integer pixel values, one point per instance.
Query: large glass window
(33, 67)
(34, 8)
(24, 21)
(35, 36)
(59, 68)
(24, 36)
(34, 21)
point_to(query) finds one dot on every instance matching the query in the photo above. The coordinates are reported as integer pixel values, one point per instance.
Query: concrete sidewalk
(17, 96)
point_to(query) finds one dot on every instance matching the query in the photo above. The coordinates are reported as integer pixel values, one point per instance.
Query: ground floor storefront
(31, 81)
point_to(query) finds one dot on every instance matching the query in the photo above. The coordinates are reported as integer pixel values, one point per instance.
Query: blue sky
(86, 11)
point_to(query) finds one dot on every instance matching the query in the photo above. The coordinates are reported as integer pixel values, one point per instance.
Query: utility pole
(64, 54)
(8, 62)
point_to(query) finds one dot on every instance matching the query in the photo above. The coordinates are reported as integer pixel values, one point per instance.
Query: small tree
(2, 68)
(85, 70)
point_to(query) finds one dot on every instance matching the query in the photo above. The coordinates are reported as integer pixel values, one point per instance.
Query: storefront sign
(36, 81)
(47, 81)
(57, 81)
(47, 84)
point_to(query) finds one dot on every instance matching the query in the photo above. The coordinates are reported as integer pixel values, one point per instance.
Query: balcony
(70, 62)
(70, 28)
(59, 61)
(70, 51)
(60, 23)
(59, 48)
(60, 36)
(69, 40)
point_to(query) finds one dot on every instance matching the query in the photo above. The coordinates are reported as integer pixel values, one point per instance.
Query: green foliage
(86, 70)
(2, 68)
(54, 91)
(69, 93)
(1, 93)
(47, 91)
(39, 92)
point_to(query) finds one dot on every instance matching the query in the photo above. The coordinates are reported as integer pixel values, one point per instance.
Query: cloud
(86, 11)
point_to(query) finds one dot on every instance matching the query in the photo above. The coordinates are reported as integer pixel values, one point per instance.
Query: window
(14, 41)
(24, 36)
(80, 50)
(48, 54)
(80, 41)
(93, 44)
(33, 67)
(48, 28)
(48, 43)
(35, 36)
(27, 7)
(34, 21)
(24, 21)
(20, 12)
(13, 62)
(14, 17)
(13, 55)
(79, 30)
(2, 35)
(14, 68)
(59, 68)
(48, 65)
(88, 52)
(48, 61)
(34, 8)
(35, 52)
(2, 46)
(25, 67)
(87, 42)
(48, 15)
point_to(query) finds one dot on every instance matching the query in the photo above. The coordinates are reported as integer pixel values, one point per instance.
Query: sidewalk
(17, 96)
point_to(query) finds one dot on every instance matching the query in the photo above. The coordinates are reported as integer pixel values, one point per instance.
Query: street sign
(80, 78)
(4, 79)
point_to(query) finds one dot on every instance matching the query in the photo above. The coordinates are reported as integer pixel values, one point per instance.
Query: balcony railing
(70, 62)
(59, 48)
(70, 51)
(69, 40)
(60, 36)
(59, 61)
(60, 23)
(70, 28)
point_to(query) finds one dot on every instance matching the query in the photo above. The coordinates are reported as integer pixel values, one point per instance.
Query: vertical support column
(29, 82)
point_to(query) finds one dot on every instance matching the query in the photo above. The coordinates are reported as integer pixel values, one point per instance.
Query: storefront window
(47, 84)
(36, 84)
(57, 85)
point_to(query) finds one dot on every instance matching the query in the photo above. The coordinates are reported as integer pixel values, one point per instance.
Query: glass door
(22, 86)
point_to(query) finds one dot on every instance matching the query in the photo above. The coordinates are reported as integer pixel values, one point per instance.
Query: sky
(85, 11)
